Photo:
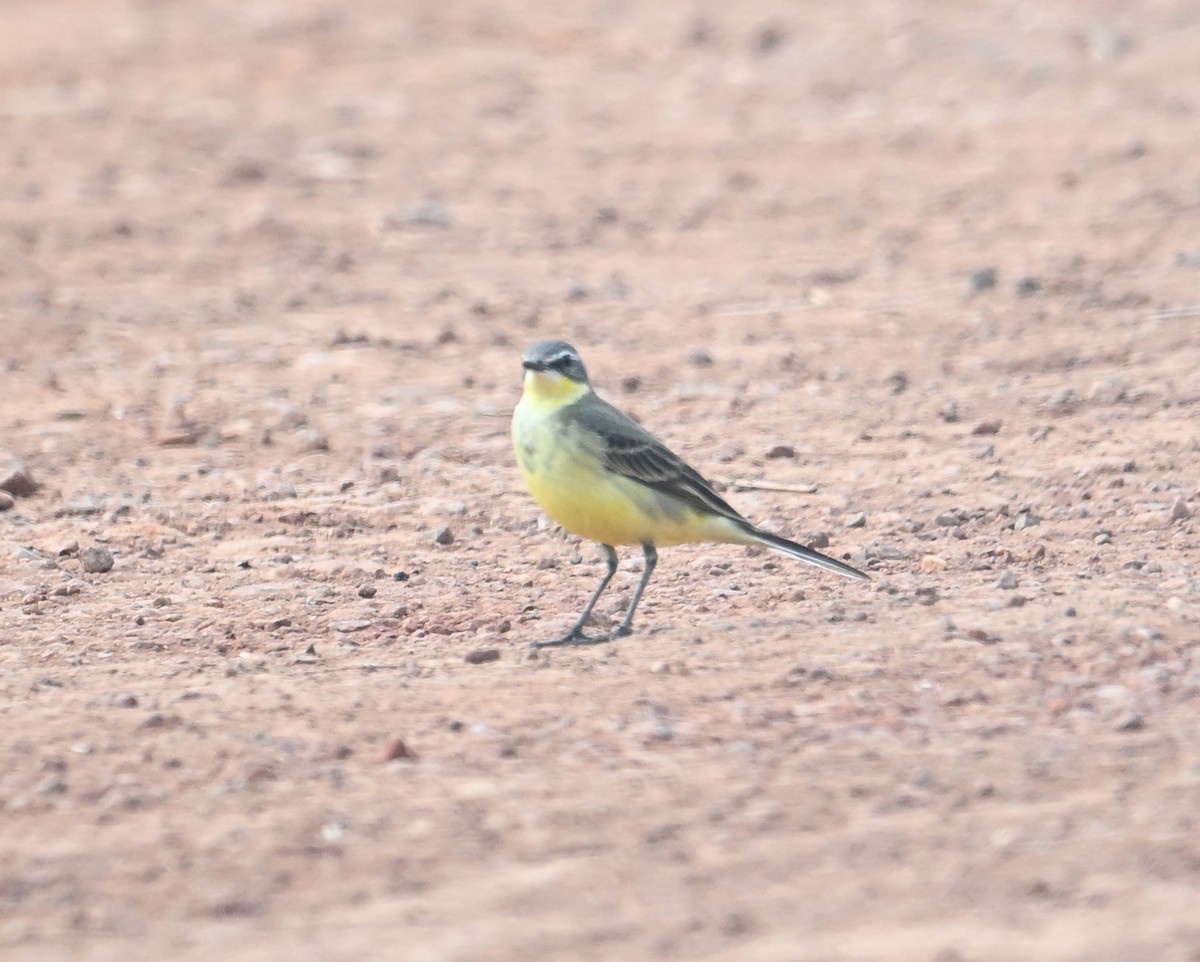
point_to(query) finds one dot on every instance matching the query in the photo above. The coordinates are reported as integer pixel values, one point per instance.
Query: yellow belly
(571, 485)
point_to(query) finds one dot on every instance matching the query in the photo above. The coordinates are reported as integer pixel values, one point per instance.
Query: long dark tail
(803, 553)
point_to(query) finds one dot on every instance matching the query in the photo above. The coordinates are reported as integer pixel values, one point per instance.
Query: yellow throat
(547, 390)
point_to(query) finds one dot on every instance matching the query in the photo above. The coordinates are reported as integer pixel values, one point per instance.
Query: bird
(602, 476)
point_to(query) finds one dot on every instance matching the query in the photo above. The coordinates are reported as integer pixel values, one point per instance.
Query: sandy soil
(921, 277)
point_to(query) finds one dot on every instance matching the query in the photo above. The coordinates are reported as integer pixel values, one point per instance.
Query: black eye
(563, 362)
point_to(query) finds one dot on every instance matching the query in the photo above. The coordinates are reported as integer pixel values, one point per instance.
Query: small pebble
(1028, 287)
(781, 451)
(700, 358)
(768, 40)
(366, 590)
(1180, 510)
(1141, 634)
(52, 785)
(1108, 391)
(342, 337)
(309, 441)
(858, 520)
(818, 539)
(983, 279)
(444, 536)
(481, 656)
(1008, 581)
(986, 428)
(1064, 402)
(96, 560)
(6, 501)
(727, 451)
(431, 212)
(159, 720)
(349, 625)
(397, 750)
(16, 479)
(949, 412)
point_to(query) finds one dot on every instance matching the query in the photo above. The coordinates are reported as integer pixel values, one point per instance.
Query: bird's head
(554, 369)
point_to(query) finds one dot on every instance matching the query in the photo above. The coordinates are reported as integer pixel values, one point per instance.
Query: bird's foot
(576, 637)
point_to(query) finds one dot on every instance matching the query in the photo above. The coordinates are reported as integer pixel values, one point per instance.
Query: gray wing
(631, 451)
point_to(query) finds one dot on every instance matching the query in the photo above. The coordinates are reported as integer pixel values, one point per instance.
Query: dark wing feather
(633, 452)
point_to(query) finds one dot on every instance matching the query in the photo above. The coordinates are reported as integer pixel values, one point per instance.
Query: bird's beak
(531, 365)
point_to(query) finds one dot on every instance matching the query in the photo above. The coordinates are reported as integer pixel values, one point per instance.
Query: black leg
(576, 636)
(651, 560)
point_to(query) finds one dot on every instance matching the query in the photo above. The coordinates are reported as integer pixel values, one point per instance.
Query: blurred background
(914, 278)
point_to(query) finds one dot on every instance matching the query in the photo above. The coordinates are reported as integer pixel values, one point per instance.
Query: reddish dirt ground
(921, 277)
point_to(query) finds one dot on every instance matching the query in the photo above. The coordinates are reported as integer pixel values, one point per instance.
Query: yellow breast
(564, 472)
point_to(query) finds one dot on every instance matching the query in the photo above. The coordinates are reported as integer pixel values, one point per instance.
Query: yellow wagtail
(604, 477)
